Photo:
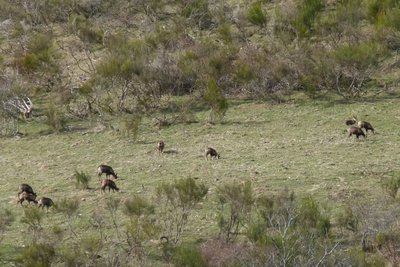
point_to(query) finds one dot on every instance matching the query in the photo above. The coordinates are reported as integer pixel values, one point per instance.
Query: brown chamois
(356, 131)
(26, 188)
(366, 125)
(351, 122)
(110, 184)
(107, 170)
(160, 147)
(212, 152)
(26, 196)
(45, 202)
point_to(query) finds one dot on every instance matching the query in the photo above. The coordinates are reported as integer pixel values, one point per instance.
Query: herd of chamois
(357, 130)
(26, 192)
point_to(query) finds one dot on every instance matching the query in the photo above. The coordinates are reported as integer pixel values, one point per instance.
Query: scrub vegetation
(268, 84)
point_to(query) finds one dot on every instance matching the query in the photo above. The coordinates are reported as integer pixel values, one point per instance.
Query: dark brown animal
(366, 125)
(26, 196)
(351, 122)
(212, 152)
(160, 147)
(45, 202)
(110, 184)
(356, 131)
(107, 170)
(26, 188)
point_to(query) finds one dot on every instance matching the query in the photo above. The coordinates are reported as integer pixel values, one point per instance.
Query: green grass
(299, 146)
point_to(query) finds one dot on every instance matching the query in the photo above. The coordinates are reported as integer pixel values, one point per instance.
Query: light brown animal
(27, 196)
(356, 131)
(108, 170)
(110, 184)
(212, 152)
(366, 125)
(45, 202)
(160, 147)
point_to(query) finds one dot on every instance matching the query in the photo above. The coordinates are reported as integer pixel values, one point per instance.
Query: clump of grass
(82, 180)
(82, 27)
(188, 255)
(256, 15)
(391, 184)
(347, 219)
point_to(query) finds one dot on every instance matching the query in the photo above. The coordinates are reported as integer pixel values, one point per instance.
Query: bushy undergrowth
(276, 229)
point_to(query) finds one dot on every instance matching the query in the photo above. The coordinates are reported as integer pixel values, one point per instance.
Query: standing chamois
(363, 124)
(160, 147)
(28, 197)
(107, 170)
(212, 152)
(45, 202)
(26, 188)
(351, 122)
(366, 125)
(356, 131)
(110, 184)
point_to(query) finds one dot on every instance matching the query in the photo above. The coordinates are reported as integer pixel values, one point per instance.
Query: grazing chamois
(27, 196)
(160, 147)
(366, 125)
(212, 152)
(351, 122)
(356, 131)
(26, 188)
(110, 184)
(45, 202)
(107, 170)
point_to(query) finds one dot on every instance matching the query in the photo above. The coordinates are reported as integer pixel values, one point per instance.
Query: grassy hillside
(268, 84)
(299, 146)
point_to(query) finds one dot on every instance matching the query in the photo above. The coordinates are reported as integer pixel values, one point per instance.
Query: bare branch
(327, 253)
(18, 105)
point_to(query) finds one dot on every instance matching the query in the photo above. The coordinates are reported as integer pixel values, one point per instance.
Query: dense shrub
(37, 254)
(188, 255)
(311, 217)
(82, 27)
(235, 201)
(130, 126)
(347, 219)
(55, 117)
(391, 184)
(256, 15)
(6, 219)
(215, 99)
(177, 200)
(308, 11)
(284, 224)
(40, 56)
(378, 9)
(141, 226)
(82, 179)
(198, 12)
